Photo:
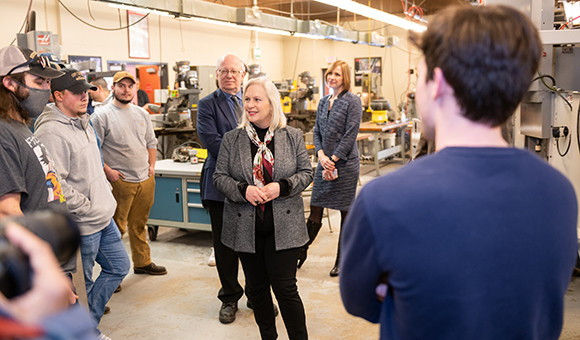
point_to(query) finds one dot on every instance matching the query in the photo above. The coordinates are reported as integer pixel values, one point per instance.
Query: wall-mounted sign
(366, 65)
(138, 35)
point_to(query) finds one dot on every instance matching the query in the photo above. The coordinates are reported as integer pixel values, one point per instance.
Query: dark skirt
(340, 193)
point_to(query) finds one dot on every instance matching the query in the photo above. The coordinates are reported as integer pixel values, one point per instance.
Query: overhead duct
(253, 17)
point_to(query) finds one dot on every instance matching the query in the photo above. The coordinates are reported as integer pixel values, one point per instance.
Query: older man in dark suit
(218, 113)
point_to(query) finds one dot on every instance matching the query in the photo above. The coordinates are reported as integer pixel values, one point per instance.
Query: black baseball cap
(72, 80)
(14, 59)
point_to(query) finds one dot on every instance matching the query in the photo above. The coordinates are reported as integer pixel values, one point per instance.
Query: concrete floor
(183, 303)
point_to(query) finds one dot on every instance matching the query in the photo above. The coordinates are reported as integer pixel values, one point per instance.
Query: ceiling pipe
(251, 18)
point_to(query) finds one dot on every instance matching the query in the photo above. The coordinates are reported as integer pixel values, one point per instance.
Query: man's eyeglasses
(37, 60)
(233, 73)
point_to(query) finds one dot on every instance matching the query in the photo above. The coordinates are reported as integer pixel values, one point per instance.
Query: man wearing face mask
(30, 181)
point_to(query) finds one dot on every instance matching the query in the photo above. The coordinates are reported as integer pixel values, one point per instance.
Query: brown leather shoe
(118, 289)
(151, 269)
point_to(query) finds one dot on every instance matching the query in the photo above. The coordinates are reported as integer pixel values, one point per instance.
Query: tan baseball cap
(122, 75)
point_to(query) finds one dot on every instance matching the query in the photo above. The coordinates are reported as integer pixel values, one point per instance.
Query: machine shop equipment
(303, 95)
(296, 100)
(371, 88)
(408, 106)
(255, 71)
(379, 110)
(284, 88)
(188, 82)
(547, 121)
(179, 107)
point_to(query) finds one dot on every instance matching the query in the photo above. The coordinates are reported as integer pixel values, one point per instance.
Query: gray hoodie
(72, 142)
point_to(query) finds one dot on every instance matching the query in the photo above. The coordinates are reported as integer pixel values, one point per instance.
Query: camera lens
(54, 227)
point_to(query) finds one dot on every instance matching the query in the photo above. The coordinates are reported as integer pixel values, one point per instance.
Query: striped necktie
(237, 109)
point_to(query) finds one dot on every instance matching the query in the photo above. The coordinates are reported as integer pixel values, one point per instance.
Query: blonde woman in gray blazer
(262, 168)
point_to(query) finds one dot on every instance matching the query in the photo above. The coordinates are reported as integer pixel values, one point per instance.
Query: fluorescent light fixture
(309, 36)
(333, 37)
(141, 10)
(375, 14)
(257, 29)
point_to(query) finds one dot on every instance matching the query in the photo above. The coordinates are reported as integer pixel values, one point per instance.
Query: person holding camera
(44, 311)
(65, 130)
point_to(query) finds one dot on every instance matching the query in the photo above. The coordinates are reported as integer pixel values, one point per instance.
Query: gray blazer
(234, 166)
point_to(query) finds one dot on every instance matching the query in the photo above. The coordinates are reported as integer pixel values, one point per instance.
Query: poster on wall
(138, 35)
(366, 65)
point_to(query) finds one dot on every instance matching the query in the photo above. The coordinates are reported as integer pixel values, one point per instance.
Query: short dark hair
(100, 81)
(10, 101)
(487, 54)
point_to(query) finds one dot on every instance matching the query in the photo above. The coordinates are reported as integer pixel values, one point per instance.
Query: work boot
(151, 269)
(313, 229)
(228, 312)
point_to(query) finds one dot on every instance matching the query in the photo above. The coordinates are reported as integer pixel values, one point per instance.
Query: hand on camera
(51, 290)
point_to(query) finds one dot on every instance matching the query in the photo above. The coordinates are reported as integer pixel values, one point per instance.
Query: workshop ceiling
(311, 10)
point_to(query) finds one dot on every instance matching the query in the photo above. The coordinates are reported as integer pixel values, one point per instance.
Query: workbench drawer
(193, 192)
(198, 215)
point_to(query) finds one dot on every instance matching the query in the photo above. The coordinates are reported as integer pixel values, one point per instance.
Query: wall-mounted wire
(578, 127)
(552, 87)
(569, 21)
(412, 11)
(25, 20)
(97, 27)
(556, 134)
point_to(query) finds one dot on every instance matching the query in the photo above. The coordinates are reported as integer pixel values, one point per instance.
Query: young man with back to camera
(490, 247)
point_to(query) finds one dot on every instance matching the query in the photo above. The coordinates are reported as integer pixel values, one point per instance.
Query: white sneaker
(103, 337)
(211, 260)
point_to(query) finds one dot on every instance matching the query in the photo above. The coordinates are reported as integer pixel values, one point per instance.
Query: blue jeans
(106, 248)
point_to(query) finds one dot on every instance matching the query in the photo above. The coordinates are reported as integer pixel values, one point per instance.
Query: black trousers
(225, 258)
(277, 269)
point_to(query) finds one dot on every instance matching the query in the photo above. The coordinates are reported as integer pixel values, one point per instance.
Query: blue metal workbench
(177, 198)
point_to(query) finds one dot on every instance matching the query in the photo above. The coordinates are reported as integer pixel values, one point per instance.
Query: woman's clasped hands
(262, 195)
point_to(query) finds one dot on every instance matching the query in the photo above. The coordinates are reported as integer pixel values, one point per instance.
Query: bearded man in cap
(64, 127)
(129, 151)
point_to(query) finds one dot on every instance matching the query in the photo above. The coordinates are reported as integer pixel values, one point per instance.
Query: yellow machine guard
(379, 116)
